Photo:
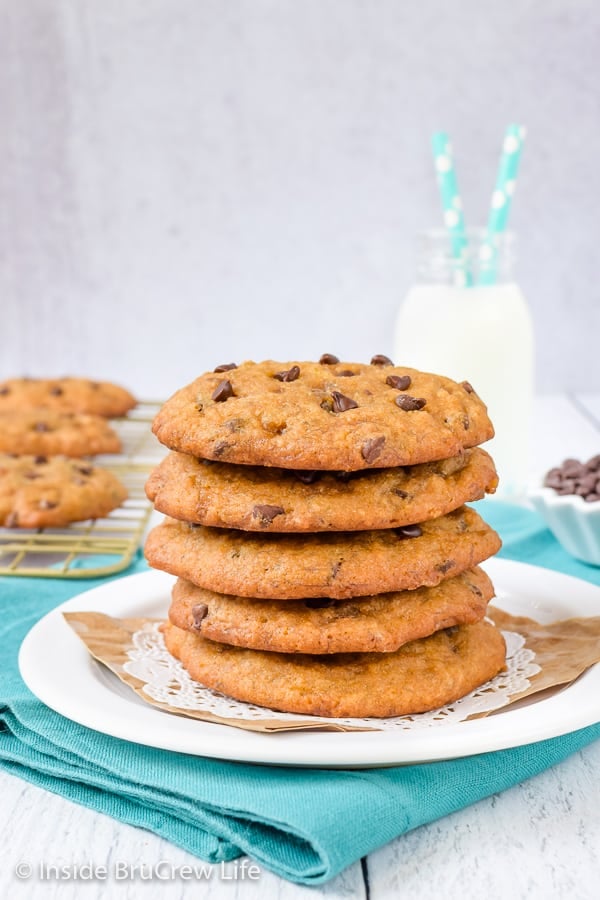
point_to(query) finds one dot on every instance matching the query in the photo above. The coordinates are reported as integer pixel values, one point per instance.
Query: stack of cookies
(326, 562)
(46, 426)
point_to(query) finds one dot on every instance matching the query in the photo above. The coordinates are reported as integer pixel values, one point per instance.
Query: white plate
(58, 669)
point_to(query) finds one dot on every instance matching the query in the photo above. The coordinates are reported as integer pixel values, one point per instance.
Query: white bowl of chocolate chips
(569, 501)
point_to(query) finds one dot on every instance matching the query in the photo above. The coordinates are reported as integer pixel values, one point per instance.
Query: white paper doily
(166, 681)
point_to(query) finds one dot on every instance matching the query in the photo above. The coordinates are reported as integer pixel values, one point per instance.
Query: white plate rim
(58, 669)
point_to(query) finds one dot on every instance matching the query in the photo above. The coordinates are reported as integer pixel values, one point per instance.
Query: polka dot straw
(452, 207)
(501, 199)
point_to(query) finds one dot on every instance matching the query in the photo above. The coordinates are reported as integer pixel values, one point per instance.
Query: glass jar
(481, 333)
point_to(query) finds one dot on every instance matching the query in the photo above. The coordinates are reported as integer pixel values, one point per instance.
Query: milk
(483, 335)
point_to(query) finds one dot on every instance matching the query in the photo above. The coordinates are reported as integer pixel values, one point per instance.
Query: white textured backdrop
(189, 182)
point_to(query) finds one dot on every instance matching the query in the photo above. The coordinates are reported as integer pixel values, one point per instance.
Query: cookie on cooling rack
(47, 432)
(42, 491)
(80, 395)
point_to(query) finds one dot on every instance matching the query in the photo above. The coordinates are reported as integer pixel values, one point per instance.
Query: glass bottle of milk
(481, 333)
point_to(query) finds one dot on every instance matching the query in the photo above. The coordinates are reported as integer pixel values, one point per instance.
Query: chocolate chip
(404, 401)
(266, 513)
(4, 390)
(445, 566)
(328, 359)
(220, 448)
(222, 392)
(404, 495)
(289, 375)
(409, 531)
(199, 612)
(85, 470)
(307, 476)
(346, 476)
(47, 504)
(225, 367)
(341, 403)
(56, 390)
(345, 373)
(41, 426)
(468, 387)
(348, 612)
(372, 448)
(566, 489)
(400, 382)
(319, 603)
(572, 468)
(381, 360)
(40, 460)
(587, 484)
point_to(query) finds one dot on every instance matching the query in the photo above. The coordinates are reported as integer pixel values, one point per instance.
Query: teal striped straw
(501, 200)
(452, 207)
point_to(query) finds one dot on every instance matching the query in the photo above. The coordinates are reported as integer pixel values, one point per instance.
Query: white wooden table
(538, 840)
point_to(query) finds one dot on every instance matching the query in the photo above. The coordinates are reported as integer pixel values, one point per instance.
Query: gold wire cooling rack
(99, 546)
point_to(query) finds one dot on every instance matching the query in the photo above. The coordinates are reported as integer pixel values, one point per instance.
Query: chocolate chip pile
(316, 510)
(576, 477)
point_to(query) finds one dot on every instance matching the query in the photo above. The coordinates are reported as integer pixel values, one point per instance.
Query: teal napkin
(304, 824)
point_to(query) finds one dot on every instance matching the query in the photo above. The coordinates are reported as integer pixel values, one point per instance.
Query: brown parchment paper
(563, 650)
(109, 640)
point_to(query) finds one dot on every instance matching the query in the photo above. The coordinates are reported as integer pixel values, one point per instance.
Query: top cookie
(326, 415)
(79, 395)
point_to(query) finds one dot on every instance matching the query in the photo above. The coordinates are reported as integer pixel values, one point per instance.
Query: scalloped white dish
(574, 523)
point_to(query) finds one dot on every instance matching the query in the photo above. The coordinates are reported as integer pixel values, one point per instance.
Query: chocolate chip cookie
(380, 624)
(41, 491)
(328, 564)
(47, 432)
(420, 676)
(326, 415)
(254, 498)
(80, 395)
